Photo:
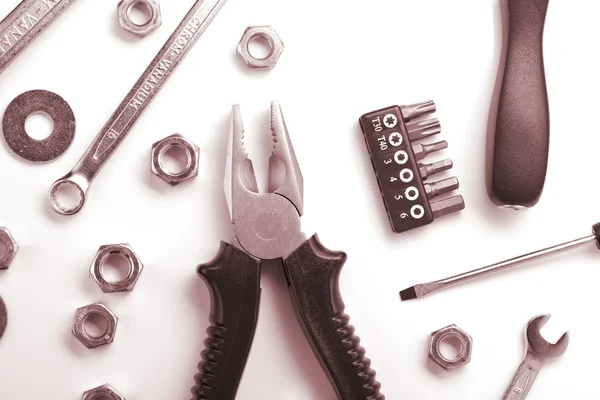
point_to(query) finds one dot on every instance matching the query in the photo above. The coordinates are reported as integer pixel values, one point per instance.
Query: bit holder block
(396, 159)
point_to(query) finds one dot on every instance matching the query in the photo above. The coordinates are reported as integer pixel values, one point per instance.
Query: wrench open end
(541, 346)
(66, 196)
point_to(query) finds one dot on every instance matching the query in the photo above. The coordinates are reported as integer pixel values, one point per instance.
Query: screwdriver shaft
(425, 289)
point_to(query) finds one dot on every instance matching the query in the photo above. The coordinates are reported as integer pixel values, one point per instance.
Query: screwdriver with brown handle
(522, 128)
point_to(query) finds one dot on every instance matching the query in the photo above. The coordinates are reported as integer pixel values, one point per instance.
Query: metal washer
(36, 101)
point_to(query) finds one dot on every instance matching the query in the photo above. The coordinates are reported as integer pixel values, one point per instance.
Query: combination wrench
(131, 108)
(539, 351)
(24, 24)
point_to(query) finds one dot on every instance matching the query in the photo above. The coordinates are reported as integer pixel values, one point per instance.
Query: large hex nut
(464, 354)
(193, 158)
(11, 248)
(124, 10)
(135, 268)
(102, 392)
(81, 316)
(275, 43)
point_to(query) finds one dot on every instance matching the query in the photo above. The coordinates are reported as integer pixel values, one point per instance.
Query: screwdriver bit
(447, 206)
(390, 141)
(440, 187)
(417, 110)
(426, 170)
(423, 150)
(422, 129)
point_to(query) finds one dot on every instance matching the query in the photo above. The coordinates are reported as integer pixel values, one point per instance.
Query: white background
(342, 59)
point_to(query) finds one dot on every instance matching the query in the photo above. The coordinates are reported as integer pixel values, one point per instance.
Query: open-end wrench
(129, 111)
(539, 351)
(24, 24)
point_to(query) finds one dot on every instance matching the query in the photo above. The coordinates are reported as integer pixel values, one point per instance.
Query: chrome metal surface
(538, 353)
(104, 392)
(143, 30)
(129, 111)
(464, 353)
(275, 44)
(33, 102)
(10, 246)
(425, 289)
(267, 225)
(193, 158)
(135, 268)
(24, 24)
(81, 316)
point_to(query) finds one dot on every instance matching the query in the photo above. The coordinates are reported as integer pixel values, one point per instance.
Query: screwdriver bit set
(390, 134)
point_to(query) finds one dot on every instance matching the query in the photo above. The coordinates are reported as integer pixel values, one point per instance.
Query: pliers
(267, 227)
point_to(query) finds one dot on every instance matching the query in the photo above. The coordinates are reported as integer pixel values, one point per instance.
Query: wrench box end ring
(56, 204)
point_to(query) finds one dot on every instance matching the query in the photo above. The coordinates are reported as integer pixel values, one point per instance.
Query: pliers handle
(312, 272)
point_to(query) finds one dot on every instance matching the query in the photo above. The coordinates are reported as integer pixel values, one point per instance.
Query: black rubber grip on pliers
(313, 275)
(233, 278)
(522, 135)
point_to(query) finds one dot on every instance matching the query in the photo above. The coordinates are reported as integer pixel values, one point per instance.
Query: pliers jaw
(267, 225)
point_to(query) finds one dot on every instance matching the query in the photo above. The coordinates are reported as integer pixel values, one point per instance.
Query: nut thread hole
(140, 13)
(175, 160)
(116, 268)
(95, 325)
(451, 348)
(260, 47)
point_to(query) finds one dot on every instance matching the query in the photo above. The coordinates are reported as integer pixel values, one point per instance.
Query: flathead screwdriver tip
(408, 294)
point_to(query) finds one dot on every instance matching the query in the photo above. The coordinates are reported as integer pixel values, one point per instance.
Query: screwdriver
(424, 289)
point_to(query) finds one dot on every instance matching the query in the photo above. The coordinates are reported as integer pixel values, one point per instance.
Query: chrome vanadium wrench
(134, 104)
(24, 24)
(539, 352)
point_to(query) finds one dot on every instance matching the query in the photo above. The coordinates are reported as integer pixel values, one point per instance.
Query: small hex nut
(275, 43)
(81, 316)
(102, 392)
(124, 10)
(193, 158)
(11, 248)
(464, 355)
(135, 268)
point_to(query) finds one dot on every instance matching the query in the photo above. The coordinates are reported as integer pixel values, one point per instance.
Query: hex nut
(102, 392)
(81, 316)
(11, 248)
(466, 345)
(135, 268)
(268, 33)
(124, 10)
(193, 158)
